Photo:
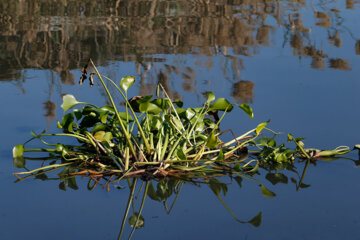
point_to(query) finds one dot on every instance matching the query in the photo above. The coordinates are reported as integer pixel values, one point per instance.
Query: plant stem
(128, 139)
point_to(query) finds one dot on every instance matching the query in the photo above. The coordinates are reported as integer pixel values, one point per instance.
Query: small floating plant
(154, 137)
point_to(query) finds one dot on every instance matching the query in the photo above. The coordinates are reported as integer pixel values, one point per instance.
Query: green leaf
(266, 192)
(126, 82)
(178, 103)
(211, 141)
(261, 126)
(247, 109)
(162, 103)
(256, 221)
(149, 107)
(237, 167)
(221, 156)
(138, 220)
(67, 121)
(69, 101)
(180, 154)
(221, 104)
(210, 96)
(100, 136)
(18, 151)
(60, 148)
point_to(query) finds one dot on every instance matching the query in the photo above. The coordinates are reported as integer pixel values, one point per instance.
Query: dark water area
(294, 62)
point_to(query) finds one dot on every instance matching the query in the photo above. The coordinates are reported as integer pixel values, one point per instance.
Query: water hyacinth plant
(155, 137)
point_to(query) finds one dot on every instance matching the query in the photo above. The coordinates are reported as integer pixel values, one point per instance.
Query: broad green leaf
(125, 116)
(67, 121)
(108, 137)
(69, 101)
(126, 82)
(212, 141)
(138, 220)
(261, 126)
(247, 109)
(210, 96)
(99, 128)
(266, 192)
(149, 107)
(162, 103)
(100, 136)
(77, 114)
(256, 221)
(221, 104)
(357, 146)
(18, 151)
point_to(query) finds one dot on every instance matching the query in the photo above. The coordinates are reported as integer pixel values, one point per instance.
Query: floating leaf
(247, 109)
(126, 82)
(69, 101)
(266, 192)
(138, 220)
(256, 221)
(261, 126)
(221, 104)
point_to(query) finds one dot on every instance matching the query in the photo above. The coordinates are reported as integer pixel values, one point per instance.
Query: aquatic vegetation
(155, 137)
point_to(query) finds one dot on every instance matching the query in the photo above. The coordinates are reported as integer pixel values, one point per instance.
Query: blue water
(318, 104)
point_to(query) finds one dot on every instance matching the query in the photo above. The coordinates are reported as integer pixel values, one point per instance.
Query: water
(294, 62)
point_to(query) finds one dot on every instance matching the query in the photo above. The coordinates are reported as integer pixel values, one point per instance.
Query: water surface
(294, 62)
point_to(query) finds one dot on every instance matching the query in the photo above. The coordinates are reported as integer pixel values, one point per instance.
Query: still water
(294, 62)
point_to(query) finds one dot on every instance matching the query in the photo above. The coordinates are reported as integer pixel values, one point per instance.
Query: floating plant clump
(155, 137)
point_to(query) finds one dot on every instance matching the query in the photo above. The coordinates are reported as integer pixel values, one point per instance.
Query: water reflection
(167, 191)
(62, 35)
